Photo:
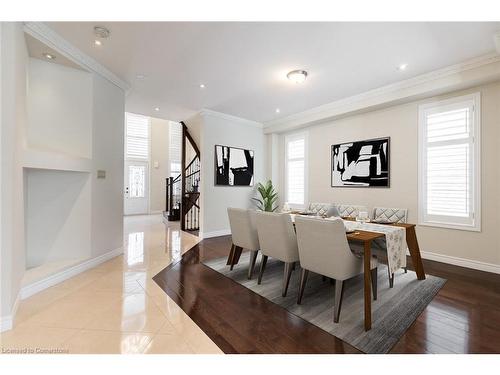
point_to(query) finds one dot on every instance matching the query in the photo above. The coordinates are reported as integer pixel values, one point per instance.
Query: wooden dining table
(366, 237)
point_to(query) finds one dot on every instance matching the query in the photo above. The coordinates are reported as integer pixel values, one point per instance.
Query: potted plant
(268, 197)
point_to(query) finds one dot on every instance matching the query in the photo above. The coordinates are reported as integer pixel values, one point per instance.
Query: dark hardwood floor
(463, 318)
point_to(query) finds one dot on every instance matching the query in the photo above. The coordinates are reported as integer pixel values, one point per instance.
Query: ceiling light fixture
(101, 32)
(140, 76)
(49, 56)
(157, 109)
(402, 67)
(97, 42)
(278, 110)
(202, 86)
(297, 76)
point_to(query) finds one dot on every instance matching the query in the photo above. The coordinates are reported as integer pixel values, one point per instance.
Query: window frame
(287, 139)
(473, 101)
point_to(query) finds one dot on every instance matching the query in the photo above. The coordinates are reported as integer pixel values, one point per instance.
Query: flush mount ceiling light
(157, 109)
(297, 76)
(202, 86)
(140, 76)
(49, 56)
(402, 67)
(278, 110)
(97, 42)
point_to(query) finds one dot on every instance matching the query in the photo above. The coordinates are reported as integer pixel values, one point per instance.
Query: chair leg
(251, 266)
(374, 283)
(231, 255)
(236, 256)
(339, 291)
(302, 285)
(263, 262)
(391, 277)
(406, 269)
(286, 277)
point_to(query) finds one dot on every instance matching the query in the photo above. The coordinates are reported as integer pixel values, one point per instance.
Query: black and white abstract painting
(361, 163)
(233, 166)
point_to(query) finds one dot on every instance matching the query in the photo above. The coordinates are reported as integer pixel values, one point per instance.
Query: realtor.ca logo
(34, 351)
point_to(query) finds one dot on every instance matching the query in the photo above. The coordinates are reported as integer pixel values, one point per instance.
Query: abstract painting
(361, 163)
(233, 166)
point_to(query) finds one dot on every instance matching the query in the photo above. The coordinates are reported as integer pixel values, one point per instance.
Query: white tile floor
(115, 307)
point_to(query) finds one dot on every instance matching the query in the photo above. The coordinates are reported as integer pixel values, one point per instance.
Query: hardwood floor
(462, 318)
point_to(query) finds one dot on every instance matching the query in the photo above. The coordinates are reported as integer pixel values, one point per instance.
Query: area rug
(393, 312)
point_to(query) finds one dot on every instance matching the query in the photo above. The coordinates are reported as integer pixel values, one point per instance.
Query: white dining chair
(349, 210)
(323, 249)
(244, 236)
(393, 215)
(277, 240)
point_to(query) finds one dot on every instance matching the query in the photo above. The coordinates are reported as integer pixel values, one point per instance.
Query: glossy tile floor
(115, 307)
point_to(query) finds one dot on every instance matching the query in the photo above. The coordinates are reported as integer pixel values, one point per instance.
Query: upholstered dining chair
(277, 240)
(319, 209)
(348, 210)
(323, 249)
(244, 236)
(394, 215)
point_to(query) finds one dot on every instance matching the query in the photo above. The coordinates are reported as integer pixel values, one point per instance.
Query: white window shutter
(136, 136)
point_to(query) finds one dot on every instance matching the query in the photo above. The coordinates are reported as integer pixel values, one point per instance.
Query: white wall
(400, 123)
(14, 57)
(159, 153)
(59, 108)
(228, 131)
(108, 155)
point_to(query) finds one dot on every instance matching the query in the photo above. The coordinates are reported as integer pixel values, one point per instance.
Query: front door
(136, 187)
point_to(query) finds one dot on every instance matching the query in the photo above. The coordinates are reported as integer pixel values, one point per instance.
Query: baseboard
(157, 212)
(38, 286)
(217, 233)
(462, 262)
(7, 322)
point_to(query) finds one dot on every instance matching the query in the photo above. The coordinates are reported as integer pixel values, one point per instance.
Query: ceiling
(244, 64)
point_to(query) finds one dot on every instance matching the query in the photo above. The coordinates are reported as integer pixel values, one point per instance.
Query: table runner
(395, 239)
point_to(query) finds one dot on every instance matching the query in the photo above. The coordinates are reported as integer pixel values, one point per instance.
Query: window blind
(448, 164)
(137, 136)
(175, 148)
(295, 170)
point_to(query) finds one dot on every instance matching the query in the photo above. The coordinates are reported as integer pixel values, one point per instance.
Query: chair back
(323, 248)
(395, 215)
(348, 210)
(243, 229)
(319, 209)
(276, 236)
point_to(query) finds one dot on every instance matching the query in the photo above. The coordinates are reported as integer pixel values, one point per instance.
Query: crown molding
(45, 34)
(466, 74)
(208, 112)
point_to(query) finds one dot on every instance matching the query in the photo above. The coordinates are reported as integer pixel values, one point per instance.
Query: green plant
(268, 197)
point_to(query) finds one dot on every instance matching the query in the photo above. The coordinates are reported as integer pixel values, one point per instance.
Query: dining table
(366, 237)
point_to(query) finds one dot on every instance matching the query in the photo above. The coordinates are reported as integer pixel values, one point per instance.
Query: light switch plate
(101, 174)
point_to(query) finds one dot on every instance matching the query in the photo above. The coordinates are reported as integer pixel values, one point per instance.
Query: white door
(136, 187)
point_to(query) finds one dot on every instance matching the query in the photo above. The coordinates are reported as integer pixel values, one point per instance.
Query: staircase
(182, 192)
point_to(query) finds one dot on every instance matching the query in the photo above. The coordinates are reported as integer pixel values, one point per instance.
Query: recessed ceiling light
(157, 109)
(202, 86)
(101, 32)
(49, 56)
(140, 76)
(278, 110)
(97, 42)
(297, 76)
(402, 67)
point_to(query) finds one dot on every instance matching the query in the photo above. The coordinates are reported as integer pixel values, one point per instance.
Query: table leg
(411, 241)
(368, 285)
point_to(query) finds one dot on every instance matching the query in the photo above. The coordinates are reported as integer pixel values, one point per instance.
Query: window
(175, 147)
(295, 169)
(136, 137)
(449, 163)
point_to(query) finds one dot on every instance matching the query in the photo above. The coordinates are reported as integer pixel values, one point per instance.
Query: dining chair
(348, 210)
(394, 215)
(323, 249)
(244, 236)
(277, 240)
(319, 209)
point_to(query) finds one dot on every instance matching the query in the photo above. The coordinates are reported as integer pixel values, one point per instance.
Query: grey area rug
(393, 312)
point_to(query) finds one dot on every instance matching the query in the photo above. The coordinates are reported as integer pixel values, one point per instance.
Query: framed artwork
(361, 163)
(233, 166)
